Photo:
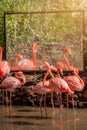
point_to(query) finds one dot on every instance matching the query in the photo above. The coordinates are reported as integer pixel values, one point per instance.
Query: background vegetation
(52, 31)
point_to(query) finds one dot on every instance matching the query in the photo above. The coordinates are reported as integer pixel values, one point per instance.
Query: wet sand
(29, 118)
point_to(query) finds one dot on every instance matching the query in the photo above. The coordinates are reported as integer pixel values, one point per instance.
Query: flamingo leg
(41, 105)
(60, 101)
(45, 105)
(52, 101)
(67, 108)
(73, 107)
(3, 99)
(7, 99)
(11, 109)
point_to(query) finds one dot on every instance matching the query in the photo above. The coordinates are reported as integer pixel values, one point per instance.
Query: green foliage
(45, 28)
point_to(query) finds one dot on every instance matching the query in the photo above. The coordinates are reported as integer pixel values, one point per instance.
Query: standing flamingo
(39, 89)
(44, 88)
(4, 66)
(75, 82)
(26, 64)
(58, 84)
(68, 65)
(10, 83)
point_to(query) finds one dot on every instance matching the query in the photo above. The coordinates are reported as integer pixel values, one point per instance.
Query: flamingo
(26, 64)
(10, 83)
(4, 66)
(40, 89)
(43, 88)
(75, 82)
(67, 63)
(58, 84)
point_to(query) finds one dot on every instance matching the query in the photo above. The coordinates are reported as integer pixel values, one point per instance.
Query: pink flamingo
(58, 84)
(44, 88)
(4, 66)
(75, 82)
(67, 63)
(26, 64)
(39, 89)
(10, 83)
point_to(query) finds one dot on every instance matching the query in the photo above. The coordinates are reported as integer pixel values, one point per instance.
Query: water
(28, 118)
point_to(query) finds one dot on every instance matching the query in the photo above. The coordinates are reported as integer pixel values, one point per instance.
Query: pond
(29, 118)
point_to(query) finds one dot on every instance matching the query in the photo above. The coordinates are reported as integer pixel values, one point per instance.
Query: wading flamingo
(39, 89)
(4, 66)
(43, 89)
(75, 83)
(26, 64)
(58, 84)
(10, 83)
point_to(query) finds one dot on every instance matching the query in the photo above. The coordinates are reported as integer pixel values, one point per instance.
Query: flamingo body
(11, 82)
(60, 85)
(4, 66)
(74, 83)
(26, 64)
(40, 89)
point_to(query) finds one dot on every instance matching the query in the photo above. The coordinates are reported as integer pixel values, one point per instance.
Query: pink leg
(45, 105)
(41, 105)
(60, 101)
(11, 103)
(52, 101)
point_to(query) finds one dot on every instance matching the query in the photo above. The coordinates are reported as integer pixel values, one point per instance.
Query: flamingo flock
(57, 84)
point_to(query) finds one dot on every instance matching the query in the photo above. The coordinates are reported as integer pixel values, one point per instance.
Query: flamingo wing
(10, 83)
(74, 83)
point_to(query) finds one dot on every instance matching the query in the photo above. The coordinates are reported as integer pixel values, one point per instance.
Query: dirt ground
(29, 118)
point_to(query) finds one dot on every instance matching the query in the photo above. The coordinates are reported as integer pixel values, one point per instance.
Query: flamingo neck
(59, 70)
(34, 58)
(16, 60)
(80, 79)
(22, 81)
(47, 73)
(66, 60)
(0, 57)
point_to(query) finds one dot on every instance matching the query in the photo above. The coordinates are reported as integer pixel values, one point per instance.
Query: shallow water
(29, 118)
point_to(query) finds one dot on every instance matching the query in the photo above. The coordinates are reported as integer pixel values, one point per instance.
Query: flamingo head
(46, 64)
(19, 75)
(60, 65)
(19, 56)
(67, 50)
(35, 47)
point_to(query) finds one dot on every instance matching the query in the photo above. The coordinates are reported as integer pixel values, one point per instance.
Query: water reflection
(58, 120)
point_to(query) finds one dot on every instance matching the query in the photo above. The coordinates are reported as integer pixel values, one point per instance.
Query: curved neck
(17, 59)
(80, 79)
(34, 58)
(66, 60)
(47, 73)
(23, 81)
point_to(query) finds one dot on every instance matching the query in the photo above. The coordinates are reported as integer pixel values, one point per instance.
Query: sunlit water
(29, 118)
